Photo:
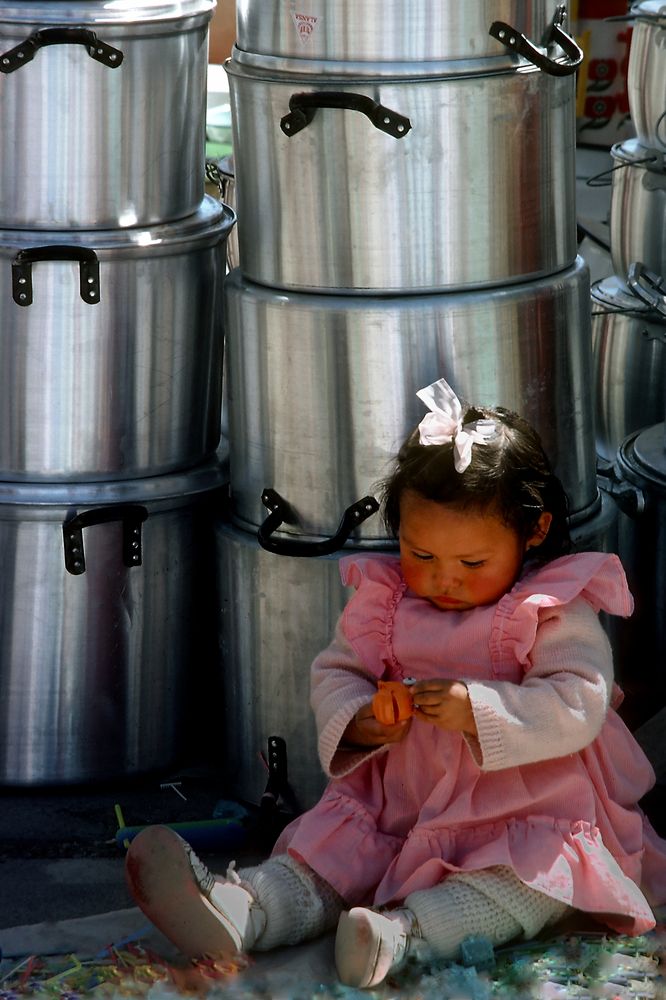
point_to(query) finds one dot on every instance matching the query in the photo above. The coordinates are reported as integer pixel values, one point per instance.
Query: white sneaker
(198, 913)
(371, 944)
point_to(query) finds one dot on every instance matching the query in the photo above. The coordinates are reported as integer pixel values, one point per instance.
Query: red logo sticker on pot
(305, 25)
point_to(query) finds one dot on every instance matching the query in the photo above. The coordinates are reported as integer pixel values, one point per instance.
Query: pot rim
(112, 13)
(614, 293)
(212, 222)
(167, 491)
(243, 63)
(636, 153)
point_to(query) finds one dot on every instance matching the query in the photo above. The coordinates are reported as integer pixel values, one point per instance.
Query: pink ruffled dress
(550, 787)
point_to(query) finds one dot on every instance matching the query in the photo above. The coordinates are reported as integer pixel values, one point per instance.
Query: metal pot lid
(166, 492)
(211, 223)
(615, 296)
(632, 152)
(645, 453)
(650, 10)
(111, 13)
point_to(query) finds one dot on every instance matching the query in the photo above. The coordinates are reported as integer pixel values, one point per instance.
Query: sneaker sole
(355, 937)
(160, 879)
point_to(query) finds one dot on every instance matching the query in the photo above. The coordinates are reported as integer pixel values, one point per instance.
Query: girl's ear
(540, 531)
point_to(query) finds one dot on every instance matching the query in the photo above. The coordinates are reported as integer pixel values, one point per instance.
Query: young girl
(510, 795)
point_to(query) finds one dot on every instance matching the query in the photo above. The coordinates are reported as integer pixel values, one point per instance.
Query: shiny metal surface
(629, 351)
(638, 207)
(388, 30)
(277, 613)
(646, 80)
(322, 388)
(476, 194)
(85, 145)
(98, 670)
(128, 386)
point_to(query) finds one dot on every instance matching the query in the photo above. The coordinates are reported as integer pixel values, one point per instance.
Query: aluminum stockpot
(321, 388)
(108, 624)
(629, 350)
(646, 79)
(401, 177)
(638, 207)
(103, 109)
(111, 348)
(276, 614)
(641, 492)
(389, 31)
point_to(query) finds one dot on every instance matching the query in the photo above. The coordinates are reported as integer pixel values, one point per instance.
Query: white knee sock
(297, 902)
(492, 903)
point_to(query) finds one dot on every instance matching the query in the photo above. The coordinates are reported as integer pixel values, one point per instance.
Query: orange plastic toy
(392, 703)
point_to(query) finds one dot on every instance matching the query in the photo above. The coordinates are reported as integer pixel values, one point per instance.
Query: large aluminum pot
(387, 30)
(276, 614)
(103, 109)
(322, 387)
(640, 488)
(400, 177)
(108, 627)
(629, 349)
(111, 349)
(646, 79)
(638, 207)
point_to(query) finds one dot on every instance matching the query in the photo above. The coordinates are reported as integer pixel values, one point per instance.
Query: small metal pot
(322, 390)
(111, 347)
(629, 350)
(108, 624)
(370, 178)
(646, 79)
(103, 109)
(388, 30)
(638, 207)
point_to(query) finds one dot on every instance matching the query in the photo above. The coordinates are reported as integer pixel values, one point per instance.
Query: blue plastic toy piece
(477, 951)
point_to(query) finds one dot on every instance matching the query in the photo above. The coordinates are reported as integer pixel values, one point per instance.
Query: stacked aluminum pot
(110, 367)
(405, 187)
(629, 336)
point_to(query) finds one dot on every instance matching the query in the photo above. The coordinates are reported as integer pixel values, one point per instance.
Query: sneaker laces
(202, 875)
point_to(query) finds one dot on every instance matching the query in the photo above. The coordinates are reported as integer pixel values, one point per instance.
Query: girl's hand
(365, 730)
(444, 704)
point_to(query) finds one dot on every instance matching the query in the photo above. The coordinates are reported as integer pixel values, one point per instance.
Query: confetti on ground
(583, 966)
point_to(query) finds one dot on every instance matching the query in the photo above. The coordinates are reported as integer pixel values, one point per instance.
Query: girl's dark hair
(510, 473)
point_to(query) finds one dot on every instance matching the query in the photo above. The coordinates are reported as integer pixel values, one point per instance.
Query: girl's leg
(278, 902)
(491, 903)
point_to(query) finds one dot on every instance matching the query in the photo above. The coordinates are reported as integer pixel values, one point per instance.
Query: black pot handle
(132, 517)
(281, 511)
(22, 271)
(648, 286)
(303, 108)
(21, 54)
(513, 40)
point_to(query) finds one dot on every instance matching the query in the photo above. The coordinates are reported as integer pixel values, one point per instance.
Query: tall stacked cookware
(110, 370)
(629, 338)
(405, 184)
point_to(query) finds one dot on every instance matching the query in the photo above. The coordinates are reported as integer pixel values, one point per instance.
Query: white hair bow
(444, 424)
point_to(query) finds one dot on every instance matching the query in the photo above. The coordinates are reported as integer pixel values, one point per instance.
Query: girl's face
(460, 559)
